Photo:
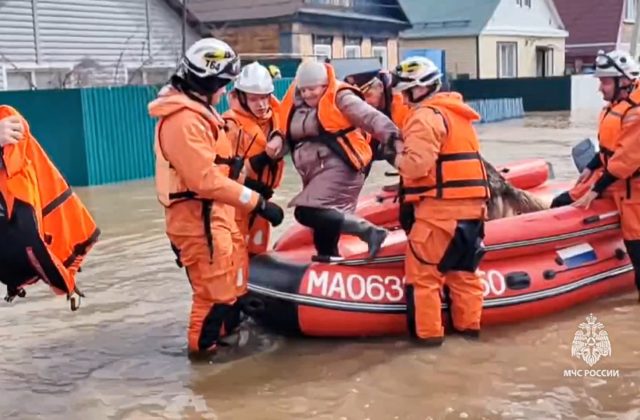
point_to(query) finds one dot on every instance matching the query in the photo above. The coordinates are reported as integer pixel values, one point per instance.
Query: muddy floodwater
(122, 355)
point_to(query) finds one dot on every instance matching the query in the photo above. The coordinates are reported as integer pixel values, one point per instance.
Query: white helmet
(616, 63)
(255, 78)
(208, 65)
(416, 71)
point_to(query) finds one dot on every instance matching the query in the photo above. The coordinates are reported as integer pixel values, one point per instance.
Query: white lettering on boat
(376, 288)
(355, 287)
(493, 283)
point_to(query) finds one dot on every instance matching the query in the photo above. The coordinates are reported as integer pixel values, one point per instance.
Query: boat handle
(599, 217)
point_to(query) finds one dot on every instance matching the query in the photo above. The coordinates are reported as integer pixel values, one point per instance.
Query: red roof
(591, 21)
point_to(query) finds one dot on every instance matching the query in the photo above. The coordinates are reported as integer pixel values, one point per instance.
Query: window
(322, 47)
(322, 52)
(352, 47)
(379, 49)
(630, 7)
(381, 53)
(544, 61)
(507, 59)
(352, 51)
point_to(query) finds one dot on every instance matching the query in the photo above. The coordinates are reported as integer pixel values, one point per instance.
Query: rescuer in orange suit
(252, 121)
(618, 161)
(195, 168)
(45, 229)
(443, 177)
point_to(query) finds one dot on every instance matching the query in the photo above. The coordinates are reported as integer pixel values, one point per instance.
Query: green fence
(105, 135)
(538, 94)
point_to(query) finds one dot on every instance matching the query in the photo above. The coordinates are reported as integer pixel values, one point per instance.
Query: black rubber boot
(373, 235)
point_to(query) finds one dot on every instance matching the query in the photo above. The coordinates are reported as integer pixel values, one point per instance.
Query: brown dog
(507, 200)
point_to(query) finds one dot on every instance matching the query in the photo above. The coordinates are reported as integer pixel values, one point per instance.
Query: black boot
(373, 235)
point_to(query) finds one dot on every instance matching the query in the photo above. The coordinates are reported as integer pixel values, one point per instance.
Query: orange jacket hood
(453, 102)
(170, 100)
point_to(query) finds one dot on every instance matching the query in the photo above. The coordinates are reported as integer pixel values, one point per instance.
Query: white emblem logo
(591, 341)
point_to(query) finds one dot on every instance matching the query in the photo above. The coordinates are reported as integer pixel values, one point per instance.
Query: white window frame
(630, 10)
(322, 50)
(503, 49)
(352, 48)
(383, 52)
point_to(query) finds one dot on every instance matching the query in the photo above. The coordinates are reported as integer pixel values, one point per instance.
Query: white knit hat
(311, 73)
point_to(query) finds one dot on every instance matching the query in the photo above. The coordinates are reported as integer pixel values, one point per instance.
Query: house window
(507, 59)
(381, 53)
(352, 47)
(544, 61)
(322, 47)
(379, 50)
(630, 7)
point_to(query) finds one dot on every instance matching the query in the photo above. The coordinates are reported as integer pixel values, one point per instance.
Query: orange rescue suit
(443, 176)
(193, 158)
(47, 231)
(619, 140)
(249, 138)
(348, 142)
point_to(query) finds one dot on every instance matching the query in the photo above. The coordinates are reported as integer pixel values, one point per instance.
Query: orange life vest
(171, 188)
(459, 171)
(54, 228)
(271, 175)
(337, 133)
(610, 129)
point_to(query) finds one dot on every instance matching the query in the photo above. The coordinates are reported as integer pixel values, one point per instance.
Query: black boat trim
(498, 247)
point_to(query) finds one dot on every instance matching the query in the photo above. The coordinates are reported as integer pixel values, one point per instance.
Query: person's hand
(274, 146)
(586, 200)
(271, 212)
(11, 130)
(584, 175)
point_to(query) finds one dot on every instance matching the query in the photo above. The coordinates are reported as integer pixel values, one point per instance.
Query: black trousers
(326, 225)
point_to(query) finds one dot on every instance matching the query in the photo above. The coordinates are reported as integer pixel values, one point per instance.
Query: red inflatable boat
(536, 264)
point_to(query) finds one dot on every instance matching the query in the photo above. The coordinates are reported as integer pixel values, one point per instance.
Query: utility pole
(636, 29)
(184, 26)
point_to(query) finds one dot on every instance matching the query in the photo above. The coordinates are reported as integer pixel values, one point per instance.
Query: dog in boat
(507, 200)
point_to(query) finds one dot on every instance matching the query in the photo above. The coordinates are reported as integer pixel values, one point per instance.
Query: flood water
(123, 354)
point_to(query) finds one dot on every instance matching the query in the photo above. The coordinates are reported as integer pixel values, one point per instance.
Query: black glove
(259, 187)
(270, 211)
(259, 161)
(390, 150)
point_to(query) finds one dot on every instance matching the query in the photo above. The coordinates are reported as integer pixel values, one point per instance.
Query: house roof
(447, 18)
(591, 21)
(223, 11)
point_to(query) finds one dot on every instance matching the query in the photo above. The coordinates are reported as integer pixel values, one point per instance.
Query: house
(306, 29)
(608, 25)
(487, 39)
(67, 43)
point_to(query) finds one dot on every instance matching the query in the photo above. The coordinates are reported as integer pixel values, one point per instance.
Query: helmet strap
(432, 89)
(242, 98)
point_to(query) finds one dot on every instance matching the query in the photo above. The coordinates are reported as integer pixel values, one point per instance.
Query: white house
(489, 38)
(56, 43)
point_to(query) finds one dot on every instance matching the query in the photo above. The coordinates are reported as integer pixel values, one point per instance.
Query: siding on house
(526, 55)
(90, 42)
(460, 53)
(17, 43)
